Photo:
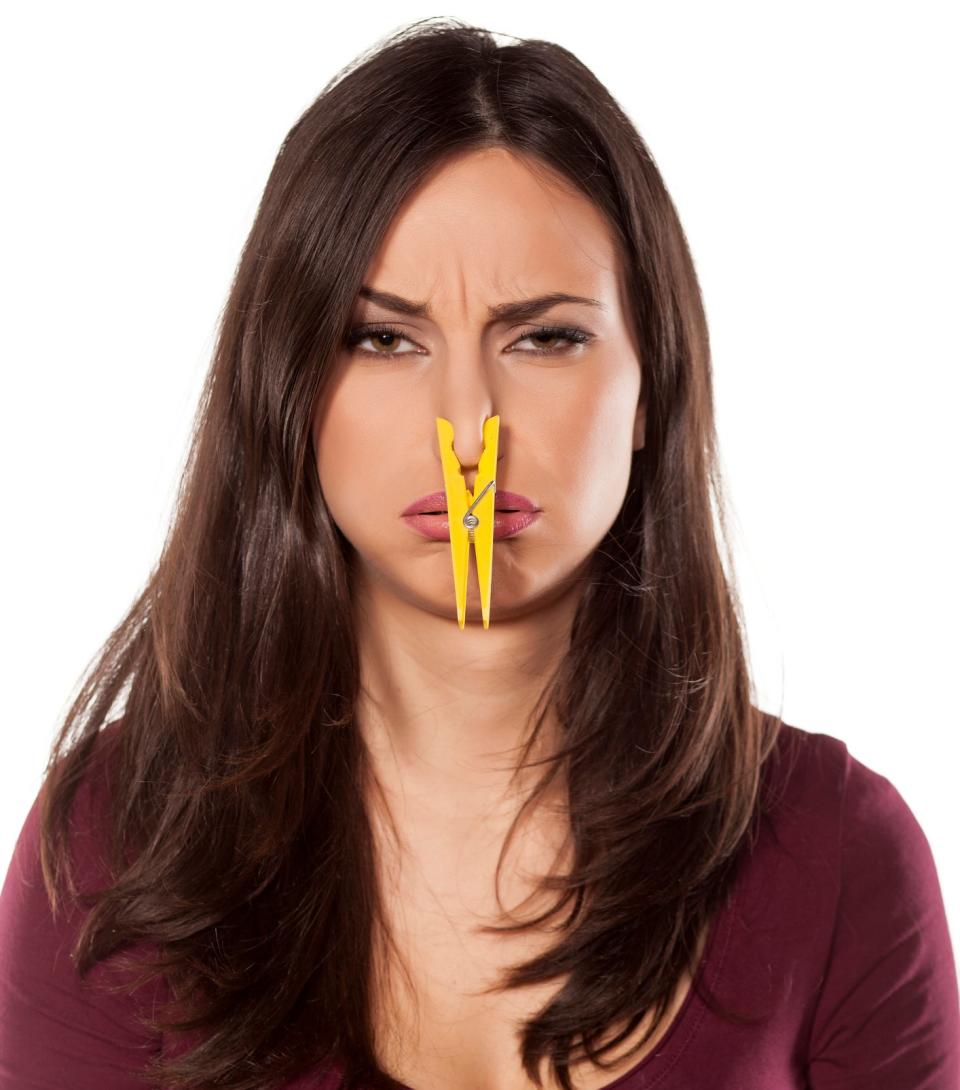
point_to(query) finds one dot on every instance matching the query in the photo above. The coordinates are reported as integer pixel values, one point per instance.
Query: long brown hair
(240, 847)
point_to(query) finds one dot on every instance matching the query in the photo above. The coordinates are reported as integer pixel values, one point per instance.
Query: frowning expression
(497, 290)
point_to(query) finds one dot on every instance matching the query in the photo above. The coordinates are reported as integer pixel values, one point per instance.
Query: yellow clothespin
(471, 513)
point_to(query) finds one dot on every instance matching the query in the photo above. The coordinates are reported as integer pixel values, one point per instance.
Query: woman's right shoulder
(89, 811)
(55, 1029)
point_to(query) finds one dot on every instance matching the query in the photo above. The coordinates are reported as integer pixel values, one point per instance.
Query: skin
(443, 710)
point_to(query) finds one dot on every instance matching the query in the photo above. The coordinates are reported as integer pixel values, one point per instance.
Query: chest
(439, 1022)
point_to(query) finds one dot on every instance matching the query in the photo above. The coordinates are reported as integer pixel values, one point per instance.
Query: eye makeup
(572, 334)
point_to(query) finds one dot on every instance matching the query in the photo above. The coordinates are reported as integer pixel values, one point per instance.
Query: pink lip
(505, 524)
(437, 501)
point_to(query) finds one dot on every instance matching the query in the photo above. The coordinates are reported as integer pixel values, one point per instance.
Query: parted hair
(240, 850)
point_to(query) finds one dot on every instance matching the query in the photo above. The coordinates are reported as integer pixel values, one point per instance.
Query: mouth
(507, 503)
(499, 510)
(435, 524)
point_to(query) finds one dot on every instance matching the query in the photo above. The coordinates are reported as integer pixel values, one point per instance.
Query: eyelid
(574, 335)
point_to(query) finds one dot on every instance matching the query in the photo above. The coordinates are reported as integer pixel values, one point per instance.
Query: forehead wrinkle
(456, 272)
(453, 267)
(516, 302)
(528, 306)
(462, 283)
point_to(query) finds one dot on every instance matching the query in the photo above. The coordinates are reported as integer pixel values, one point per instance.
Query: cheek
(349, 446)
(596, 457)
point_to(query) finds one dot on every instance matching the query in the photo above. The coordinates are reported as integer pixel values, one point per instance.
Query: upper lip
(437, 501)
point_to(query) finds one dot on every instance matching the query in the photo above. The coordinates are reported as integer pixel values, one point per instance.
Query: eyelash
(569, 333)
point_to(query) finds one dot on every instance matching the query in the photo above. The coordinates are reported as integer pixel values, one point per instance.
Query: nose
(468, 443)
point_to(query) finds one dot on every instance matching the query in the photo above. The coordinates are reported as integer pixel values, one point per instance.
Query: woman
(333, 837)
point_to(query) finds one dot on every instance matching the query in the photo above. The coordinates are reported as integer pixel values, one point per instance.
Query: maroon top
(835, 932)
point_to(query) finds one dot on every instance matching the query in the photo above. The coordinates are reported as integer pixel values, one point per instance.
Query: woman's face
(485, 228)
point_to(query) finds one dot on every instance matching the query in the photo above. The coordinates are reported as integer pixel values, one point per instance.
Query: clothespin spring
(470, 520)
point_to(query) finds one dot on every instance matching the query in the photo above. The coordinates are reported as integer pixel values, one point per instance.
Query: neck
(445, 712)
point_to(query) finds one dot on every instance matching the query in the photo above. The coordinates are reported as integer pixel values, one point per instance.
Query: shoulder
(813, 784)
(57, 1029)
(87, 825)
(805, 767)
(860, 900)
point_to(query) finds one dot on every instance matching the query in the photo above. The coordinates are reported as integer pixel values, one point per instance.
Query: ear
(640, 421)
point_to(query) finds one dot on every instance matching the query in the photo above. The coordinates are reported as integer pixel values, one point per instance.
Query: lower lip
(505, 524)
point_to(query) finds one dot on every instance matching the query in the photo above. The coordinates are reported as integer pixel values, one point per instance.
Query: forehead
(489, 225)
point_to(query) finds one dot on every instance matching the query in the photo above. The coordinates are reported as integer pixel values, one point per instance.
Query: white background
(811, 151)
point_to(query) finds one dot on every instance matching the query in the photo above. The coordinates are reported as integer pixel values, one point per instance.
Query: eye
(378, 333)
(571, 334)
(374, 332)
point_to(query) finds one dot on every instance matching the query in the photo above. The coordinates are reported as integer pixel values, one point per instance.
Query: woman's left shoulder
(813, 777)
(846, 871)
(887, 1012)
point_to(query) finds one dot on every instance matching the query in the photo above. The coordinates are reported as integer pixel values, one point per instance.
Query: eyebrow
(502, 312)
